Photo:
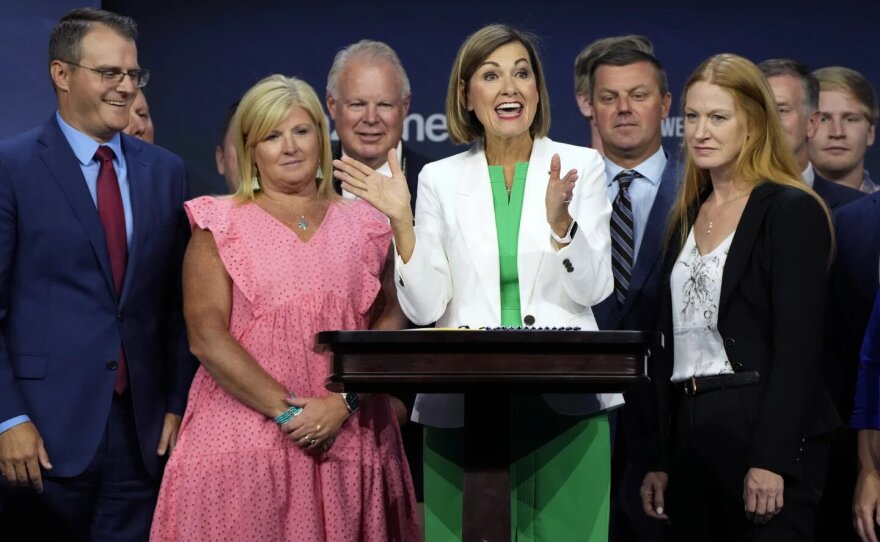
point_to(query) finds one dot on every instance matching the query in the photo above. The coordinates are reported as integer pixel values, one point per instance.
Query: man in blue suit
(94, 367)
(629, 99)
(852, 287)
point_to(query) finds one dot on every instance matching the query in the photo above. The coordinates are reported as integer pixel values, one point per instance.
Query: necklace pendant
(302, 224)
(709, 229)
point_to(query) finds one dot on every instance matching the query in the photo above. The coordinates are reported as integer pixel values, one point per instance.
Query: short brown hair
(463, 125)
(66, 38)
(852, 82)
(583, 64)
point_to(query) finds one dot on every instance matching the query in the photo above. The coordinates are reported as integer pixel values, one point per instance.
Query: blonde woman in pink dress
(266, 269)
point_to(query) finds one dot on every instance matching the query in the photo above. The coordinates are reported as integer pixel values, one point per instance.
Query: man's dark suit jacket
(411, 163)
(62, 324)
(639, 312)
(834, 194)
(780, 251)
(852, 288)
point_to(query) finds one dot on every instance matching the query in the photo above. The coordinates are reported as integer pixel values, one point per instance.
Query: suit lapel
(476, 221)
(65, 170)
(534, 232)
(139, 192)
(744, 239)
(655, 230)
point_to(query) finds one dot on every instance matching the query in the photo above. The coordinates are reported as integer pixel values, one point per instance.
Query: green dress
(560, 473)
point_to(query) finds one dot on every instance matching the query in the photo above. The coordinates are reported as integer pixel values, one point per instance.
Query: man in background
(797, 95)
(629, 97)
(368, 97)
(846, 126)
(583, 64)
(140, 124)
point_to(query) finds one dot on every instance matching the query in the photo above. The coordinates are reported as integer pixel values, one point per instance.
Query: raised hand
(390, 195)
(559, 192)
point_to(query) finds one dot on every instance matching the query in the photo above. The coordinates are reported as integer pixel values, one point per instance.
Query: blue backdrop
(204, 55)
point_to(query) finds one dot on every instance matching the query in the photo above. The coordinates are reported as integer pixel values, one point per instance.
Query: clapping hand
(390, 195)
(559, 193)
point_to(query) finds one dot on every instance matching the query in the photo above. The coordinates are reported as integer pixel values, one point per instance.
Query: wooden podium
(487, 366)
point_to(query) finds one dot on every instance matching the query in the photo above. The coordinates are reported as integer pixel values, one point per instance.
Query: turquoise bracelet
(287, 415)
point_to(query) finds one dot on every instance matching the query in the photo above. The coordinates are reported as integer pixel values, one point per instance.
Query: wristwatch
(352, 402)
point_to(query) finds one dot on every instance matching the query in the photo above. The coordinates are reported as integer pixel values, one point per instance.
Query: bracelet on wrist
(565, 239)
(289, 414)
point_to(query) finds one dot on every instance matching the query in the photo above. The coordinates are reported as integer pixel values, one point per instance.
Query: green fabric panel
(559, 490)
(507, 219)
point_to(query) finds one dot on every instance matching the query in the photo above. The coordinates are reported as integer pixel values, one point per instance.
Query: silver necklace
(737, 196)
(303, 223)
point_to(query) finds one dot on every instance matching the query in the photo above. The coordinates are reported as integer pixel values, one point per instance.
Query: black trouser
(713, 439)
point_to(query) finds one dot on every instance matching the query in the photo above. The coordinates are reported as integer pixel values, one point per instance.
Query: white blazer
(453, 275)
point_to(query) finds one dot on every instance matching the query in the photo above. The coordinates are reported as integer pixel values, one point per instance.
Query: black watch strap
(352, 402)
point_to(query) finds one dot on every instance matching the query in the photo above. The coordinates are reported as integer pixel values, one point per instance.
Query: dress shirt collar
(83, 146)
(651, 169)
(809, 175)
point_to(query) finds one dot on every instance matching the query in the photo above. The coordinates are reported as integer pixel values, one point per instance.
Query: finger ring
(311, 441)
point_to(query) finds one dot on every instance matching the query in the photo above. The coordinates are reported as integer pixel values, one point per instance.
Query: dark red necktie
(113, 218)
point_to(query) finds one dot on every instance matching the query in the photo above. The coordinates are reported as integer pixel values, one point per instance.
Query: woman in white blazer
(501, 237)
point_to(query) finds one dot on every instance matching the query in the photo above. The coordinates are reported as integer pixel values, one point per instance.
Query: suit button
(400, 280)
(566, 262)
(529, 320)
(112, 365)
(120, 316)
(729, 342)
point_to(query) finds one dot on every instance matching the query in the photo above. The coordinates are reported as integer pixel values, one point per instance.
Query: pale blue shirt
(642, 191)
(84, 148)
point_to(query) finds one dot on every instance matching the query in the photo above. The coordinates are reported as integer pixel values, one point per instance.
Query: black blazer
(412, 164)
(770, 315)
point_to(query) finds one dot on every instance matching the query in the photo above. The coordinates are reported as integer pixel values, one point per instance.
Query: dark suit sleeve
(866, 410)
(182, 364)
(798, 253)
(12, 403)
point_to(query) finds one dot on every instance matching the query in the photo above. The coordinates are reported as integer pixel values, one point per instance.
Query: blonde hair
(765, 155)
(263, 108)
(851, 82)
(463, 125)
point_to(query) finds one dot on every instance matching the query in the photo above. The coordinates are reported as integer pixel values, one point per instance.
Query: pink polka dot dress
(233, 475)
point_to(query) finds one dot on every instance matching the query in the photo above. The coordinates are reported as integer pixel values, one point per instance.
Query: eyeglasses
(117, 76)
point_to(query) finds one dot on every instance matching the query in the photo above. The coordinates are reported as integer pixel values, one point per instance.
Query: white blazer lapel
(534, 232)
(476, 221)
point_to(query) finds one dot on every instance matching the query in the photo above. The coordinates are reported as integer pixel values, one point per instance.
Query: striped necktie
(622, 236)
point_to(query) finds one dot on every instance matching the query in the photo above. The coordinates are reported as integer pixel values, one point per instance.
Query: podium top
(458, 360)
